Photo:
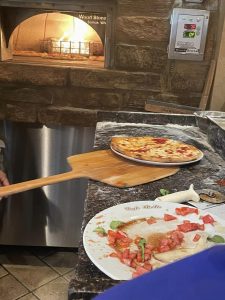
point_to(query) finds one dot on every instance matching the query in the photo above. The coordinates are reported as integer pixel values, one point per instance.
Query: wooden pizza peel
(102, 165)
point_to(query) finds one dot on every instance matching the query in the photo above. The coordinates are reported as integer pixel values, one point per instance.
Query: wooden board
(168, 107)
(102, 165)
(208, 86)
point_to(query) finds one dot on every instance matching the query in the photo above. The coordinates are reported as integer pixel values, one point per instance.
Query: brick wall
(141, 71)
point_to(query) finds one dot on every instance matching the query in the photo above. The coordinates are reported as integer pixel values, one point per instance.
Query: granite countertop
(88, 279)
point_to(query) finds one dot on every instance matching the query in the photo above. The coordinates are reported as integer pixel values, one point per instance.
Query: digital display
(190, 26)
(189, 34)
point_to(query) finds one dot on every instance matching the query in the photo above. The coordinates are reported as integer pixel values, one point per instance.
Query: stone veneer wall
(65, 95)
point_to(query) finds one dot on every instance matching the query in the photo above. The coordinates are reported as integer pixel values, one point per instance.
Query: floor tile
(62, 262)
(3, 272)
(68, 276)
(28, 269)
(11, 289)
(54, 290)
(29, 297)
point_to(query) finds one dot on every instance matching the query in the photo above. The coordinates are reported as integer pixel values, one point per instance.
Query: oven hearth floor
(32, 273)
(57, 62)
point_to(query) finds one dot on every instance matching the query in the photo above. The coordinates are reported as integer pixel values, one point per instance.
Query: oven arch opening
(12, 14)
(55, 36)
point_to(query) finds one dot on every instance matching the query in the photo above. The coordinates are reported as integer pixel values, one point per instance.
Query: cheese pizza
(157, 149)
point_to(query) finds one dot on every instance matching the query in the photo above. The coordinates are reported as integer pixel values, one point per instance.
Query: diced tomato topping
(151, 220)
(118, 238)
(168, 217)
(185, 227)
(140, 271)
(196, 237)
(112, 233)
(178, 234)
(159, 140)
(123, 243)
(163, 248)
(137, 240)
(139, 256)
(207, 219)
(111, 240)
(133, 264)
(169, 151)
(148, 266)
(121, 234)
(133, 255)
(180, 151)
(165, 242)
(183, 211)
(201, 227)
(135, 274)
(140, 259)
(175, 242)
(126, 239)
(126, 261)
(126, 253)
(149, 246)
(147, 256)
(184, 148)
(117, 234)
(148, 250)
(173, 239)
(141, 150)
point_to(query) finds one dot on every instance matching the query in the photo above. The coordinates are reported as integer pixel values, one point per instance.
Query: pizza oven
(59, 32)
(43, 44)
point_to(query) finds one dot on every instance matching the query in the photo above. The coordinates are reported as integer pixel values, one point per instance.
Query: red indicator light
(190, 26)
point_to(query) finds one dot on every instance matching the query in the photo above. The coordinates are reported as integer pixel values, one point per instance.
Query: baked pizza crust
(157, 149)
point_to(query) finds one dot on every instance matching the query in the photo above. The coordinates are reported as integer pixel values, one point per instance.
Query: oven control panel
(188, 34)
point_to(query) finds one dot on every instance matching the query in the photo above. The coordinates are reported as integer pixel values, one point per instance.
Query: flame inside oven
(57, 35)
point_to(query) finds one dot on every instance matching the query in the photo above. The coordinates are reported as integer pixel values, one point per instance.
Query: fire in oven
(46, 35)
(61, 36)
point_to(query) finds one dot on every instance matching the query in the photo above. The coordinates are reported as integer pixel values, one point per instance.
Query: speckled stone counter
(88, 280)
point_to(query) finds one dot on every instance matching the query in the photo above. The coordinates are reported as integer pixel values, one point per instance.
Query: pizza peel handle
(32, 184)
(79, 164)
(102, 165)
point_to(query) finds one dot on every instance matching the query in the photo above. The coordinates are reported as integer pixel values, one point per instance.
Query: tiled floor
(31, 273)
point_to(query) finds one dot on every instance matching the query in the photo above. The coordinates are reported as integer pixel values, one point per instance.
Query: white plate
(97, 247)
(156, 163)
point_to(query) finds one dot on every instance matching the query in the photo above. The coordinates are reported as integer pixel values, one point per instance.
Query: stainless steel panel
(52, 215)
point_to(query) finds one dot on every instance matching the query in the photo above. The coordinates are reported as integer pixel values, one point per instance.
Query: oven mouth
(61, 38)
(71, 37)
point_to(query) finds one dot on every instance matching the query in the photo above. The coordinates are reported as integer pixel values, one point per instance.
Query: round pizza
(157, 149)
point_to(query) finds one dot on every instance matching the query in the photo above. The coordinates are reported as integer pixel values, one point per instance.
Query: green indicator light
(189, 34)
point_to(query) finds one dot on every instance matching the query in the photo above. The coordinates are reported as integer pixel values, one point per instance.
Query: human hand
(3, 179)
